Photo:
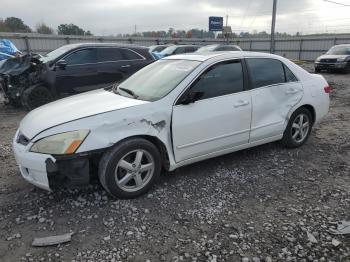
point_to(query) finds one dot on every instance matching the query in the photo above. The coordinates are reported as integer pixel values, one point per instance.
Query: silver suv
(337, 58)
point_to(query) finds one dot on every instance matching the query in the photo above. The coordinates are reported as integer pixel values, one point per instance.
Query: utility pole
(225, 33)
(273, 25)
(135, 30)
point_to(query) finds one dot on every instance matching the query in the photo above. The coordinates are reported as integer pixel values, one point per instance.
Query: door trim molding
(224, 151)
(212, 139)
(266, 125)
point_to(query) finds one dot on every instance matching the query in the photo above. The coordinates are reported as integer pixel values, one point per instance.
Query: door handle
(292, 91)
(125, 66)
(241, 103)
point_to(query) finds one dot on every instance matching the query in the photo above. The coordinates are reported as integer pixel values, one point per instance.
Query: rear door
(132, 61)
(220, 119)
(80, 73)
(275, 90)
(110, 62)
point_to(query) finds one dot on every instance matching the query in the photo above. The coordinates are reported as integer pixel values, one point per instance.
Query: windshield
(55, 53)
(169, 50)
(156, 80)
(339, 50)
(207, 48)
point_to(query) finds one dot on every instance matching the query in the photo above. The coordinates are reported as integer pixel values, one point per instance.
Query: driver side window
(84, 56)
(221, 79)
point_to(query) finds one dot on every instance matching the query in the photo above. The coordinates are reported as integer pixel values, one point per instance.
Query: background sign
(216, 23)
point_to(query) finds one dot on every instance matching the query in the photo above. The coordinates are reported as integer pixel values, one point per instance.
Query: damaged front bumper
(51, 172)
(32, 165)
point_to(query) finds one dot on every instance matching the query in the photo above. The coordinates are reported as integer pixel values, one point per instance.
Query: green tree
(42, 28)
(14, 24)
(3, 27)
(71, 29)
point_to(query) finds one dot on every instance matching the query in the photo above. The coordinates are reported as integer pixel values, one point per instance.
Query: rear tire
(130, 169)
(317, 70)
(298, 129)
(36, 96)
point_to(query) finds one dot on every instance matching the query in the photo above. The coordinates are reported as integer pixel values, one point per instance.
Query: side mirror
(191, 97)
(61, 64)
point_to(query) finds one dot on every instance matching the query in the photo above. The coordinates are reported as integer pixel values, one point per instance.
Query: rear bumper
(323, 65)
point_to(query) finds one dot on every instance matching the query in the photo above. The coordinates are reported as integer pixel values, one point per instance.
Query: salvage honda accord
(177, 111)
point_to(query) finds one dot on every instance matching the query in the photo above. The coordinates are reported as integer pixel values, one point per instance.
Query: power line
(256, 14)
(337, 3)
(245, 12)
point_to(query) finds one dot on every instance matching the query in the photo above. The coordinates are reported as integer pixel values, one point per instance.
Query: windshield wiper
(130, 92)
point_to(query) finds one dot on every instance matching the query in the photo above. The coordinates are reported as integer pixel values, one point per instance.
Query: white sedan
(177, 111)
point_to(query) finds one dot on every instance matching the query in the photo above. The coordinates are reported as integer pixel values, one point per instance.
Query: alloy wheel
(134, 170)
(300, 128)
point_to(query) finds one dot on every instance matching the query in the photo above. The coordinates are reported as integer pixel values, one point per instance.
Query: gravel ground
(263, 204)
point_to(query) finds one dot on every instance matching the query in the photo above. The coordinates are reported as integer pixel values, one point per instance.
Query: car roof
(78, 45)
(345, 45)
(227, 54)
(184, 45)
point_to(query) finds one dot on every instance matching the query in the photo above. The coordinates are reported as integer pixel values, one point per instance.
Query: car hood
(73, 108)
(332, 56)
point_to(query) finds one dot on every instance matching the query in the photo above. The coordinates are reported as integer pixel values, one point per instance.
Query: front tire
(298, 129)
(346, 70)
(130, 168)
(36, 96)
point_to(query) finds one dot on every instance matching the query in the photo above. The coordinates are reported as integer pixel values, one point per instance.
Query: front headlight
(318, 59)
(342, 59)
(60, 144)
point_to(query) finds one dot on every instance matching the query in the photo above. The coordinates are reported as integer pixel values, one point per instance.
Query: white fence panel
(297, 47)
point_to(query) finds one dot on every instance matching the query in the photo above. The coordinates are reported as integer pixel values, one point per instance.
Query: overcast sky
(110, 17)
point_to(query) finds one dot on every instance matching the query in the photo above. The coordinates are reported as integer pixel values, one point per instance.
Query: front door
(80, 73)
(275, 90)
(220, 119)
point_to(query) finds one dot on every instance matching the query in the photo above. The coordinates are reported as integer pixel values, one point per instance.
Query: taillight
(327, 89)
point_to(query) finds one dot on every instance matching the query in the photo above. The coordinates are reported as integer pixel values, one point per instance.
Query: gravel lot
(263, 204)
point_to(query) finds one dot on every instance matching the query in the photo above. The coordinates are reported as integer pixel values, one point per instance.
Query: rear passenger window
(109, 54)
(191, 49)
(290, 77)
(265, 71)
(180, 50)
(221, 79)
(227, 48)
(130, 55)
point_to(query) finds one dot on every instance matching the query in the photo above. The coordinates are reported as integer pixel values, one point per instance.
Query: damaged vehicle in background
(179, 110)
(16, 74)
(33, 81)
(337, 58)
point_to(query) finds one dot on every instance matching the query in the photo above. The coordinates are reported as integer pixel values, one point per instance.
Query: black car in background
(218, 47)
(337, 58)
(73, 69)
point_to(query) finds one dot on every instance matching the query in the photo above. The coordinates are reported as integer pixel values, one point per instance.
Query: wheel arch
(311, 109)
(158, 143)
